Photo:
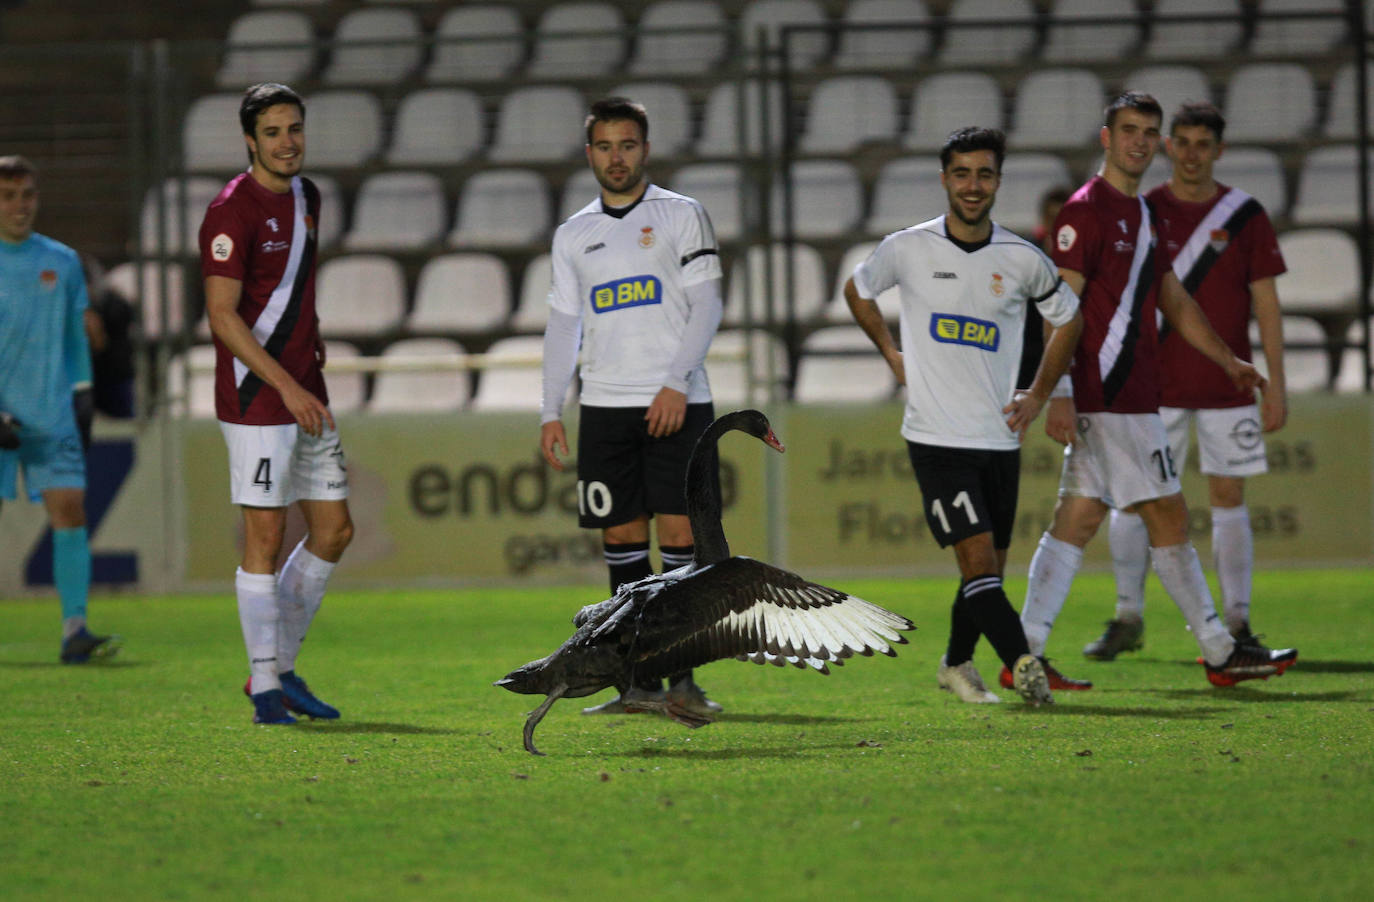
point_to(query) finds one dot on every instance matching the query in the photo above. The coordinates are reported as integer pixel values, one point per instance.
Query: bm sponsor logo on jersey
(964, 330)
(636, 291)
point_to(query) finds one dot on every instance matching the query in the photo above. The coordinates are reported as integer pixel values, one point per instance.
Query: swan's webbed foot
(663, 703)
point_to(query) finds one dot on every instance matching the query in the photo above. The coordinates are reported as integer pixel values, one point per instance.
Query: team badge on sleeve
(1065, 237)
(221, 247)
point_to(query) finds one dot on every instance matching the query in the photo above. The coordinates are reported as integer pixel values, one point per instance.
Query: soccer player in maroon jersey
(1223, 249)
(257, 247)
(1118, 454)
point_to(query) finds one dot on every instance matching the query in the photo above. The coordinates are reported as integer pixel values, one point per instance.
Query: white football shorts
(1230, 440)
(1121, 459)
(272, 466)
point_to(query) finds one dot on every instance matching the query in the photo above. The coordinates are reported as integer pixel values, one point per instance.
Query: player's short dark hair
(616, 109)
(16, 167)
(260, 97)
(1132, 100)
(1059, 194)
(1199, 112)
(971, 138)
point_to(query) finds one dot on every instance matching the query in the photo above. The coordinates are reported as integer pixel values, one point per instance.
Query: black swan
(716, 607)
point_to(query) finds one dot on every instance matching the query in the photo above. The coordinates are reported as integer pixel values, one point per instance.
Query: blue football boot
(83, 646)
(300, 699)
(269, 708)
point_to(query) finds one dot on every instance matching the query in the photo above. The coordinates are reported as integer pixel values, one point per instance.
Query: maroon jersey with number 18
(266, 241)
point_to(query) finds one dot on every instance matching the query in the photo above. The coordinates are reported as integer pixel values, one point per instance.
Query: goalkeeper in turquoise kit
(45, 377)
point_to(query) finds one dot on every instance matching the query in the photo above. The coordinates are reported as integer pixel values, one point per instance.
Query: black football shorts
(967, 491)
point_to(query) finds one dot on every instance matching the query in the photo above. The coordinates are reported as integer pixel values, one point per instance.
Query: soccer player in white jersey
(636, 282)
(965, 284)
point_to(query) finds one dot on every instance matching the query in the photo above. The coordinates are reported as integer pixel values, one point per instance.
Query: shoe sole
(1227, 680)
(1031, 683)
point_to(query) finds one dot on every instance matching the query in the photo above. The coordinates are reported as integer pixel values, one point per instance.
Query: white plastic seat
(267, 45)
(720, 131)
(837, 311)
(1057, 108)
(906, 192)
(123, 279)
(211, 137)
(477, 43)
(1323, 274)
(847, 111)
(806, 293)
(1328, 187)
(1159, 172)
(540, 123)
(1066, 42)
(827, 200)
(1350, 374)
(1025, 179)
(1258, 172)
(1295, 36)
(360, 296)
(670, 115)
(501, 207)
(718, 188)
(827, 375)
(1304, 369)
(421, 391)
(883, 48)
(532, 313)
(347, 391)
(669, 44)
(182, 215)
(730, 378)
(1171, 86)
(437, 126)
(374, 47)
(984, 44)
(577, 40)
(397, 211)
(1341, 116)
(1193, 40)
(343, 128)
(1270, 102)
(199, 392)
(806, 49)
(517, 384)
(465, 293)
(952, 100)
(580, 189)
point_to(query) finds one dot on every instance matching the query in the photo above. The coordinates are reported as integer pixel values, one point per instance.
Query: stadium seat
(1323, 276)
(532, 313)
(1025, 179)
(847, 111)
(397, 211)
(477, 43)
(679, 37)
(827, 200)
(539, 124)
(884, 48)
(720, 128)
(360, 296)
(984, 44)
(577, 40)
(1060, 108)
(347, 391)
(373, 47)
(840, 365)
(400, 391)
(123, 280)
(799, 302)
(1295, 36)
(211, 138)
(1328, 187)
(806, 49)
(512, 378)
(436, 127)
(1170, 85)
(1350, 375)
(907, 191)
(951, 100)
(345, 129)
(670, 115)
(1194, 40)
(1304, 369)
(1270, 102)
(1258, 172)
(181, 217)
(718, 187)
(1067, 42)
(1341, 117)
(1159, 172)
(580, 189)
(501, 207)
(461, 293)
(837, 311)
(267, 45)
(730, 377)
(197, 393)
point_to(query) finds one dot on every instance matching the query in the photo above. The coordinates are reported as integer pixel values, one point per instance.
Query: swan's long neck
(703, 496)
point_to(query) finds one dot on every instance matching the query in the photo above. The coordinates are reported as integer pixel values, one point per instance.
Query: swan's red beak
(772, 441)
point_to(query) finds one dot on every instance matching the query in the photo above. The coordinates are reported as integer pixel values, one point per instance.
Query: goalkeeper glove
(83, 404)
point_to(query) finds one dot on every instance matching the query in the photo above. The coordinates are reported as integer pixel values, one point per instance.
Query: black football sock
(987, 605)
(963, 631)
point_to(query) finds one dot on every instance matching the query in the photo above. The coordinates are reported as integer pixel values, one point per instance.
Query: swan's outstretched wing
(746, 609)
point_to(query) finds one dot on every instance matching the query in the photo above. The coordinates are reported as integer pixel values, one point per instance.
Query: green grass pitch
(144, 778)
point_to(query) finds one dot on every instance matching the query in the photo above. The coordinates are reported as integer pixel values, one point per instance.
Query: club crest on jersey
(635, 291)
(48, 279)
(1218, 239)
(309, 226)
(273, 225)
(997, 288)
(646, 236)
(950, 328)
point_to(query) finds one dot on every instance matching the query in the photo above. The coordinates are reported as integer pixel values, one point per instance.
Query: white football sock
(1233, 552)
(257, 597)
(1181, 573)
(1052, 570)
(1130, 541)
(300, 592)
